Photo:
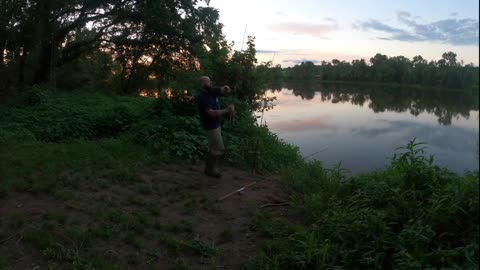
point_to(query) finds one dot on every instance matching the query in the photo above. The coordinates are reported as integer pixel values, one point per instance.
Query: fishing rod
(256, 152)
(264, 106)
(237, 81)
(313, 154)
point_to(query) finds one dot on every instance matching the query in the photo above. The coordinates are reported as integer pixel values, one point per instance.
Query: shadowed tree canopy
(144, 37)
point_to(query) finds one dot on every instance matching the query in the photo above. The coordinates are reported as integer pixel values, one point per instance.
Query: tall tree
(146, 36)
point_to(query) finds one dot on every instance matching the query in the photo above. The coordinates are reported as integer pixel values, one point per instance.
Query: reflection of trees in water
(275, 86)
(305, 88)
(444, 104)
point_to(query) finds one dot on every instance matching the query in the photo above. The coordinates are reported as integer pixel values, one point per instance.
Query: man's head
(205, 82)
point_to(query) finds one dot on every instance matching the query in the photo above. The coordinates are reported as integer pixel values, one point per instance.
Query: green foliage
(412, 215)
(446, 72)
(69, 136)
(195, 246)
(58, 116)
(100, 43)
(33, 97)
(15, 133)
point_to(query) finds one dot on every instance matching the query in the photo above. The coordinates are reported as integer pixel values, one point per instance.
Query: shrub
(33, 97)
(411, 215)
(15, 133)
(114, 121)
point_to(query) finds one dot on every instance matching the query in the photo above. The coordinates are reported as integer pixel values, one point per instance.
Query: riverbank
(96, 181)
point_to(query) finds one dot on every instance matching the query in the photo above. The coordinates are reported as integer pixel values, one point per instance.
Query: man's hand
(231, 109)
(226, 89)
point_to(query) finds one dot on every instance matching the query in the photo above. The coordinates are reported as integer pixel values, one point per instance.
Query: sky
(288, 32)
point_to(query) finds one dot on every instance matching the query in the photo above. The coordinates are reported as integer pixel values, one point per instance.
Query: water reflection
(362, 126)
(446, 105)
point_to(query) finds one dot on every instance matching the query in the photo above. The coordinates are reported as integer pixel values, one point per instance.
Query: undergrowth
(50, 139)
(412, 215)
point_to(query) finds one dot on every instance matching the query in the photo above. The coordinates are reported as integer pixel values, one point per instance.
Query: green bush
(35, 96)
(114, 121)
(63, 117)
(413, 215)
(175, 136)
(15, 133)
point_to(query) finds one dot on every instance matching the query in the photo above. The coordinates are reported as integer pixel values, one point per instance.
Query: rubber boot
(211, 167)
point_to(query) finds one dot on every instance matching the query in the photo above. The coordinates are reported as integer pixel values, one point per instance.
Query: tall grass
(412, 215)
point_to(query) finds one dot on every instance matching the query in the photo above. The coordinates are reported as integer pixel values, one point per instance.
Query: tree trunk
(42, 73)
(2, 50)
(21, 65)
(44, 37)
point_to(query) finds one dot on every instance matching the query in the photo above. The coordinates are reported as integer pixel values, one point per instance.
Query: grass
(195, 246)
(413, 215)
(87, 151)
(59, 138)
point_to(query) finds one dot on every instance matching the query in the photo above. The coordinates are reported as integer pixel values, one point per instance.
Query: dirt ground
(163, 219)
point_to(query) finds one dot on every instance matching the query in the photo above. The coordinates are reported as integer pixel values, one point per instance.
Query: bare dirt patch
(162, 219)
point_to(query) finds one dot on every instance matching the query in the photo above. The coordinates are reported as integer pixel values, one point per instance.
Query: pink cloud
(308, 29)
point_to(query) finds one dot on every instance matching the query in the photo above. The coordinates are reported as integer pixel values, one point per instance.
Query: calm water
(361, 126)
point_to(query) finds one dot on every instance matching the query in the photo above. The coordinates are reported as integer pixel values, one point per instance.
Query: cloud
(266, 51)
(307, 29)
(396, 33)
(332, 20)
(453, 31)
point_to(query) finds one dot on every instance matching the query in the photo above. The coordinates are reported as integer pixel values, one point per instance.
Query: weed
(190, 206)
(183, 226)
(154, 209)
(225, 236)
(16, 222)
(412, 215)
(195, 246)
(135, 200)
(58, 217)
(131, 240)
(143, 189)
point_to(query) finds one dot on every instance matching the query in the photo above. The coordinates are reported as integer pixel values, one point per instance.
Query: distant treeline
(447, 72)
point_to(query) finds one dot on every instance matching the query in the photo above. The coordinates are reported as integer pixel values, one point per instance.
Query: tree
(147, 37)
(450, 58)
(446, 72)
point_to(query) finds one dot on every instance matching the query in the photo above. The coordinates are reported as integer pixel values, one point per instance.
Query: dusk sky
(291, 31)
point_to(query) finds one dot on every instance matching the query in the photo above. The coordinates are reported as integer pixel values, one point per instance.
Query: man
(210, 116)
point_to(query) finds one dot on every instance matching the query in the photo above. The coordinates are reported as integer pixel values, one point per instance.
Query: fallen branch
(236, 191)
(274, 204)
(21, 236)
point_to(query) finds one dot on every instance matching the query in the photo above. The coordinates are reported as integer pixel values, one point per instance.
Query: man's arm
(221, 91)
(219, 113)
(225, 89)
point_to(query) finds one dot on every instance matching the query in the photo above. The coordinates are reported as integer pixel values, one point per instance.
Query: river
(361, 126)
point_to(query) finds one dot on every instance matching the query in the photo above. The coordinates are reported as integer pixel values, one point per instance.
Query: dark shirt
(209, 99)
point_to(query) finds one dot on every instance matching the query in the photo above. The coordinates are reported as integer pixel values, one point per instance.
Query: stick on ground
(236, 191)
(274, 204)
